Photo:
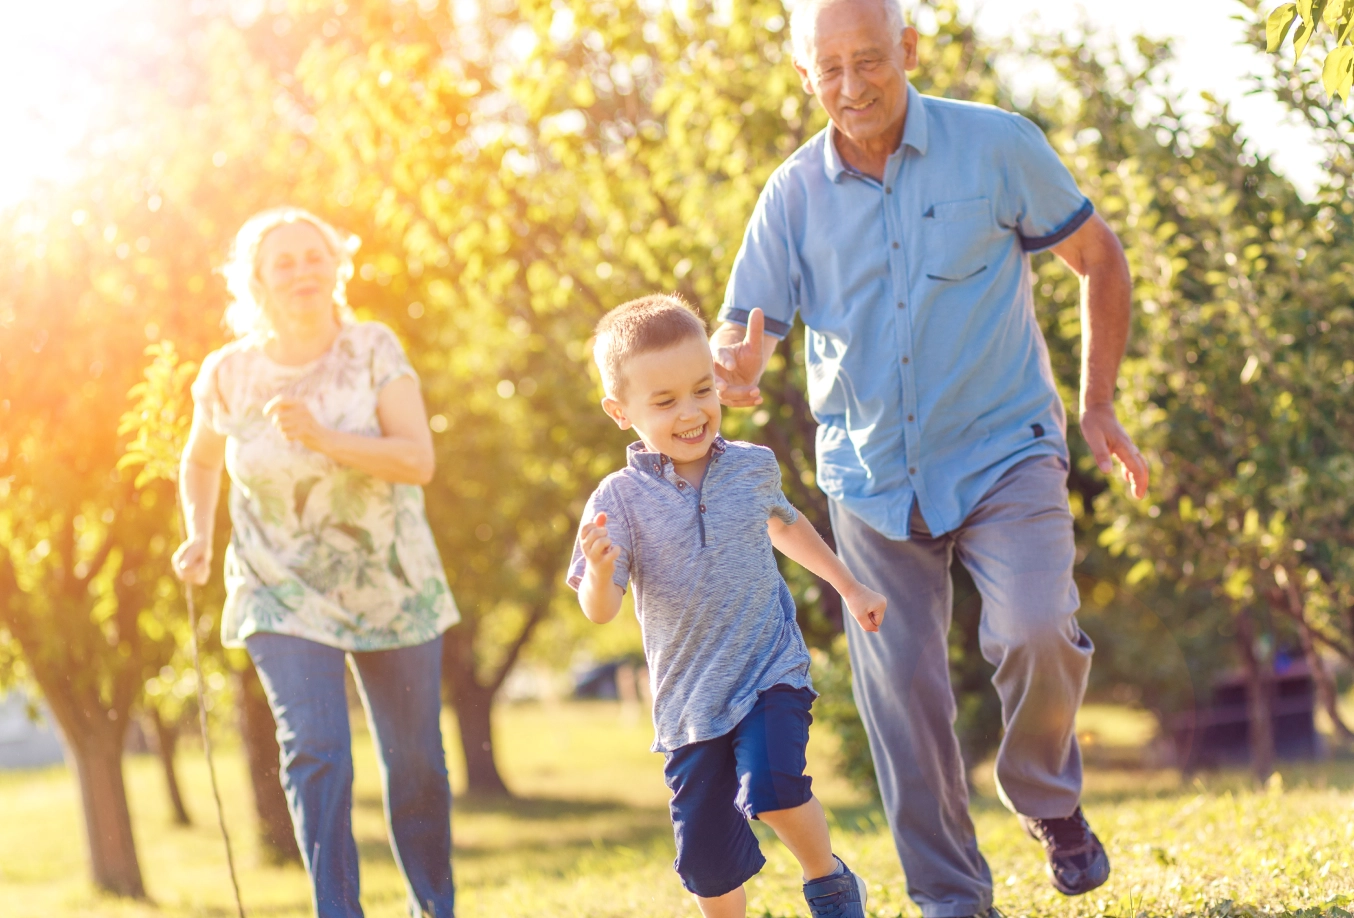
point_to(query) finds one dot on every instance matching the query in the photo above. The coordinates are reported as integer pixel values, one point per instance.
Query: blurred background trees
(514, 170)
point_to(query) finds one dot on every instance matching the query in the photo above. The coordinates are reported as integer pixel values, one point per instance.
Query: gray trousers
(1018, 546)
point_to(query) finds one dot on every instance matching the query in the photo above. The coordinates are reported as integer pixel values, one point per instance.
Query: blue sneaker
(841, 895)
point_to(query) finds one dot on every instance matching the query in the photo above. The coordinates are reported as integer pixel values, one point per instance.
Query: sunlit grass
(589, 836)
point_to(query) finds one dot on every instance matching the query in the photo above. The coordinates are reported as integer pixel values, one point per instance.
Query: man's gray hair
(805, 16)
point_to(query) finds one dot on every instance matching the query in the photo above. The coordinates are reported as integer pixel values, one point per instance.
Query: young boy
(691, 522)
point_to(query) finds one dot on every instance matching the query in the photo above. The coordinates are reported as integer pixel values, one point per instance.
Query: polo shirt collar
(642, 459)
(915, 135)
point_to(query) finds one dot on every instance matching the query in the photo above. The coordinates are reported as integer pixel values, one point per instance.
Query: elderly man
(902, 236)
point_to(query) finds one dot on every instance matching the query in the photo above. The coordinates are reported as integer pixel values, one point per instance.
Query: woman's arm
(802, 544)
(199, 487)
(403, 454)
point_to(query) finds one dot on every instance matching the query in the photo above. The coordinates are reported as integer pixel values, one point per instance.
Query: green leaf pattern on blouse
(320, 550)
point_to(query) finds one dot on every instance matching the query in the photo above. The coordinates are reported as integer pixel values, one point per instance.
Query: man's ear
(910, 58)
(616, 411)
(803, 75)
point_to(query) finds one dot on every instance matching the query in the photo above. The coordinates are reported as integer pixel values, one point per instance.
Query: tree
(1337, 70)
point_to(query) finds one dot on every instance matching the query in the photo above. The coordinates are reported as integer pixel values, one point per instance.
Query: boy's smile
(669, 398)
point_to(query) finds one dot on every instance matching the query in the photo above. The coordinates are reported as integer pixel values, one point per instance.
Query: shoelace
(1068, 833)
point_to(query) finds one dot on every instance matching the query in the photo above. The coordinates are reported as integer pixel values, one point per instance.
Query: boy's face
(670, 400)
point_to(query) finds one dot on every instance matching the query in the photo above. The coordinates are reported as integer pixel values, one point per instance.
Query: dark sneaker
(841, 895)
(1077, 862)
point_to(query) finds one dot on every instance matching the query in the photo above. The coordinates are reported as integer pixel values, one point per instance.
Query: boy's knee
(766, 790)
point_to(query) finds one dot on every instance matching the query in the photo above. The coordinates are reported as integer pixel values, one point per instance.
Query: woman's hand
(193, 561)
(294, 421)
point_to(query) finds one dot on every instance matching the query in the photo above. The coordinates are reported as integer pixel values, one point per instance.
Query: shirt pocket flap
(957, 237)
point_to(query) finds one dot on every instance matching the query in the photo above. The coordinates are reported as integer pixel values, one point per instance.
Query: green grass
(589, 836)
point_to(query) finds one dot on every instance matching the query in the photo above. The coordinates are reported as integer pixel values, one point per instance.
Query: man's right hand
(739, 363)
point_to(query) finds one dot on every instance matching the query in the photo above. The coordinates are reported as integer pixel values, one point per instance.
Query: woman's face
(298, 273)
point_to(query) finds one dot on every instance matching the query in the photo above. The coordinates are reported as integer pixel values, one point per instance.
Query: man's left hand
(1108, 441)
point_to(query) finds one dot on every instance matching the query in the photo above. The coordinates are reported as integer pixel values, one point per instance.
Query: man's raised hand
(739, 362)
(597, 545)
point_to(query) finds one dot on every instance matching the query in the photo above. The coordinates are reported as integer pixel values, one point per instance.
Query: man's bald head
(804, 17)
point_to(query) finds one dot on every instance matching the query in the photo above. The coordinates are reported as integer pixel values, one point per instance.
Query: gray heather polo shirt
(718, 619)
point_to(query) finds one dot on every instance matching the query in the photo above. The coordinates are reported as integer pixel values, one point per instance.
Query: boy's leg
(803, 829)
(716, 850)
(769, 747)
(902, 689)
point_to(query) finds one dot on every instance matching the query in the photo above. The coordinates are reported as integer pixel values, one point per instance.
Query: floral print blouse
(320, 550)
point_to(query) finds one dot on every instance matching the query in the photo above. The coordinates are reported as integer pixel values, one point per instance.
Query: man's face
(858, 68)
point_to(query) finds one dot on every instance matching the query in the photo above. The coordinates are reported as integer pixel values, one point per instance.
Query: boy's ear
(616, 411)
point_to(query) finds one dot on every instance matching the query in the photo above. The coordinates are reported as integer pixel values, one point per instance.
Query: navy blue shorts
(718, 785)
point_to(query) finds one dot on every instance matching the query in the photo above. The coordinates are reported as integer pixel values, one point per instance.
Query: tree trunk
(258, 730)
(474, 709)
(1325, 685)
(1258, 697)
(166, 744)
(97, 755)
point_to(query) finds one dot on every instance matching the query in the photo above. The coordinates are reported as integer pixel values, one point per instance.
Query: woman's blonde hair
(245, 315)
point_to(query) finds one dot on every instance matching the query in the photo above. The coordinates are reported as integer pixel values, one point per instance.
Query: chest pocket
(958, 236)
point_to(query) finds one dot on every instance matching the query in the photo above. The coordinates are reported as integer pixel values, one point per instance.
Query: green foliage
(1337, 72)
(160, 418)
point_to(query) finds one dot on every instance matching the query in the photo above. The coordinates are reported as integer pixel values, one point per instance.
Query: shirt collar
(915, 135)
(646, 460)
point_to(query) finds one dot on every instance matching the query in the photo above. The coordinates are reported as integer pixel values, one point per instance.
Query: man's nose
(853, 85)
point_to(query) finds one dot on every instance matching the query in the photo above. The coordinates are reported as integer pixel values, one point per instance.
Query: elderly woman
(319, 422)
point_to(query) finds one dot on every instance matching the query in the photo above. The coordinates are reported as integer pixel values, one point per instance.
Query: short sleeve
(604, 500)
(388, 361)
(766, 271)
(1041, 200)
(206, 389)
(778, 505)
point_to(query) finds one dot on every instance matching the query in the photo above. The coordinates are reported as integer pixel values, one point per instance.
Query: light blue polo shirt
(927, 371)
(718, 619)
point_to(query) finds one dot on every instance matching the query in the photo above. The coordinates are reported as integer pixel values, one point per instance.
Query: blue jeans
(401, 693)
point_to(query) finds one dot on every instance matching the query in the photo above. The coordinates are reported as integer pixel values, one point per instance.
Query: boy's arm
(598, 593)
(802, 544)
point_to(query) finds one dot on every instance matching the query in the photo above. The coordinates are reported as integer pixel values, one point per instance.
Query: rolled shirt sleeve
(766, 271)
(1040, 199)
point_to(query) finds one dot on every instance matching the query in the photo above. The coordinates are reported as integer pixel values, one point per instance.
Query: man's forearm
(1106, 297)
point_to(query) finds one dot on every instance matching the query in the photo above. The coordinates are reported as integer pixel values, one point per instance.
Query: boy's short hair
(650, 323)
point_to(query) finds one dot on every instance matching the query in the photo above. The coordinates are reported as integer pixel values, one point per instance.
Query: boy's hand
(865, 605)
(597, 546)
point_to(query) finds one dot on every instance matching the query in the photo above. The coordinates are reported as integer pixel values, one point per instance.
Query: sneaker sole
(1099, 874)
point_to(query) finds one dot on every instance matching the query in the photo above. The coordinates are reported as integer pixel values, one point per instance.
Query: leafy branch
(1337, 74)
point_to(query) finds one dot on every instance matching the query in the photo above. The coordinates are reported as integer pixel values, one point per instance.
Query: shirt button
(911, 418)
(902, 305)
(702, 508)
(911, 470)
(905, 360)
(681, 484)
(888, 189)
(895, 245)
